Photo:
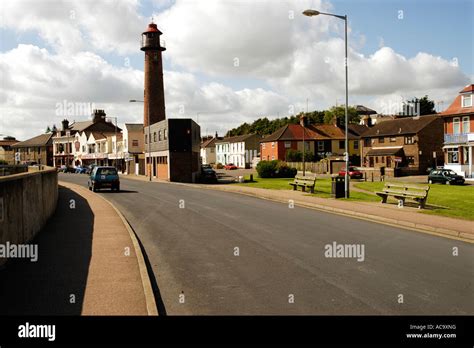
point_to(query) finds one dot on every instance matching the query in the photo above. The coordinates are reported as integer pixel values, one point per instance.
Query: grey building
(174, 145)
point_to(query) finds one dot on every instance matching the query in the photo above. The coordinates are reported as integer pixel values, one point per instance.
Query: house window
(263, 145)
(466, 101)
(453, 156)
(393, 139)
(465, 124)
(381, 140)
(273, 158)
(456, 125)
(409, 140)
(356, 145)
(212, 150)
(273, 144)
(382, 159)
(154, 137)
(159, 135)
(376, 159)
(341, 144)
(367, 142)
(165, 134)
(134, 142)
(320, 146)
(410, 160)
(287, 144)
(146, 139)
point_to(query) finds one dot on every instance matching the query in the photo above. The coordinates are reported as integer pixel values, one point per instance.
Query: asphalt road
(190, 236)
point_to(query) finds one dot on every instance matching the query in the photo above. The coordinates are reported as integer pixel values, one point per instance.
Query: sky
(230, 61)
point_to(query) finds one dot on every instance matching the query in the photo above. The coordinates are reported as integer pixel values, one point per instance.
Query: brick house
(7, 153)
(459, 133)
(410, 144)
(322, 140)
(38, 149)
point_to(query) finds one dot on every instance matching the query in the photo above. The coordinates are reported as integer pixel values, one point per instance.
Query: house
(459, 133)
(410, 144)
(133, 147)
(38, 150)
(322, 140)
(208, 150)
(7, 153)
(239, 150)
(71, 142)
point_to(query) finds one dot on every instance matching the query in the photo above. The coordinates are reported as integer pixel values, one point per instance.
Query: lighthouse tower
(154, 94)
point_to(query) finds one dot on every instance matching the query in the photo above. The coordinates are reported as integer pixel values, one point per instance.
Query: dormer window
(466, 101)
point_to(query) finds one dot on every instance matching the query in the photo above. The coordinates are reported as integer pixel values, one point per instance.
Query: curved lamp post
(311, 13)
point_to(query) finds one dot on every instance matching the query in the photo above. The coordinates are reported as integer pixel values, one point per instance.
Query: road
(191, 237)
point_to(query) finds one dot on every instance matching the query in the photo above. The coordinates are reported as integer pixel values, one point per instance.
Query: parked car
(445, 176)
(66, 169)
(206, 166)
(230, 166)
(354, 173)
(103, 177)
(208, 175)
(81, 170)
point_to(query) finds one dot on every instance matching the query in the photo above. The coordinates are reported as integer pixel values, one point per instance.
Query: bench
(401, 192)
(304, 182)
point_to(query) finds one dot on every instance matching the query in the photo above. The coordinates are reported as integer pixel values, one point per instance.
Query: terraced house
(239, 150)
(459, 133)
(322, 140)
(404, 146)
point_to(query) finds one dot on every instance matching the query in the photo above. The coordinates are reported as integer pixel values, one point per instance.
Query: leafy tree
(48, 130)
(340, 113)
(419, 106)
(294, 155)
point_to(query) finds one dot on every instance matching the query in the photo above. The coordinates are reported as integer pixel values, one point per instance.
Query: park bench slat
(401, 191)
(303, 182)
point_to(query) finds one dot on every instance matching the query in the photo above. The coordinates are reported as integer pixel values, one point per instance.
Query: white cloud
(298, 57)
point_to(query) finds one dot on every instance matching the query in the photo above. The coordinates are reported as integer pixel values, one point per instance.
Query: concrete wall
(27, 201)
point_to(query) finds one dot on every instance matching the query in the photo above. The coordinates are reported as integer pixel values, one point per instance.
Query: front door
(371, 161)
(389, 162)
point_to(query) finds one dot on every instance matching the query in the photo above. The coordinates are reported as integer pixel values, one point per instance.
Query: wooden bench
(401, 192)
(304, 182)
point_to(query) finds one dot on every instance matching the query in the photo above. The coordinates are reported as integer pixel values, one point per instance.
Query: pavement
(89, 263)
(222, 253)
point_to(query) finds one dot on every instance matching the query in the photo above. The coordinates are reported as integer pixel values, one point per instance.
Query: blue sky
(283, 62)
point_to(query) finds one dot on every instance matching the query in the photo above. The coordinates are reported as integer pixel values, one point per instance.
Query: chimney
(65, 124)
(98, 115)
(303, 120)
(216, 136)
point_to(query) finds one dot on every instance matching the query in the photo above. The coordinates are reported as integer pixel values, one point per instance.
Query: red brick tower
(154, 93)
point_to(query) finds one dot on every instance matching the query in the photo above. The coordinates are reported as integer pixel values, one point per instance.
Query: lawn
(322, 188)
(446, 200)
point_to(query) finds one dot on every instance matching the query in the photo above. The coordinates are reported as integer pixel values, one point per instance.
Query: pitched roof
(358, 129)
(208, 143)
(97, 135)
(361, 109)
(468, 88)
(80, 126)
(456, 107)
(235, 139)
(311, 132)
(4, 142)
(40, 140)
(405, 125)
(386, 151)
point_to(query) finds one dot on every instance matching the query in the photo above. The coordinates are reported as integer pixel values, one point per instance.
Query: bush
(219, 166)
(275, 169)
(294, 155)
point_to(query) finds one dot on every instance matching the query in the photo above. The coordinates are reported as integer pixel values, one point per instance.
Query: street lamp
(311, 13)
(149, 135)
(116, 140)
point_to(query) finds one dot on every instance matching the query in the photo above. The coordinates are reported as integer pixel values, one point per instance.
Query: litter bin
(338, 184)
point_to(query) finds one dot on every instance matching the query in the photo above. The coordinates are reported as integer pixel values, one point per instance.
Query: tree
(294, 155)
(418, 106)
(340, 113)
(48, 130)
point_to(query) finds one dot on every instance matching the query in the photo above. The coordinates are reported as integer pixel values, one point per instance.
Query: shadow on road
(55, 284)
